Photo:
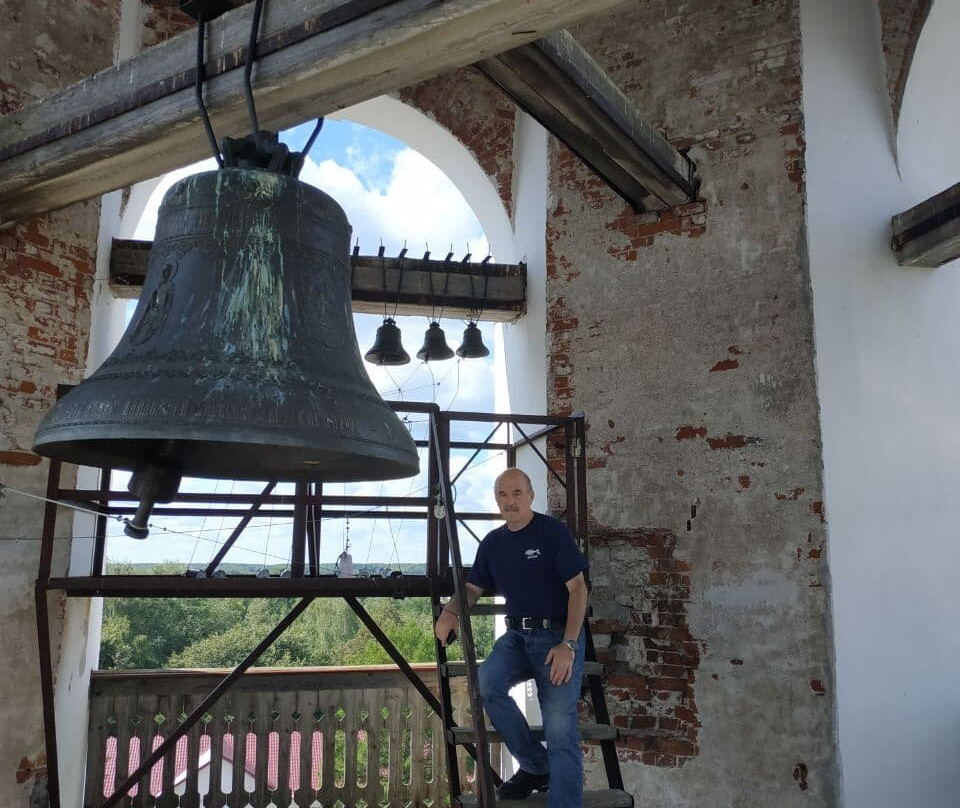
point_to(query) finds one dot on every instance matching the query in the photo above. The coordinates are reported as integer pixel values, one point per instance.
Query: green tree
(155, 633)
(145, 632)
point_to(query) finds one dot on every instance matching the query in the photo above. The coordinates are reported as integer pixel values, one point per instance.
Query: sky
(392, 196)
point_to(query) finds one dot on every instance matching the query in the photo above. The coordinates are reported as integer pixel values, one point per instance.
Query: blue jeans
(518, 656)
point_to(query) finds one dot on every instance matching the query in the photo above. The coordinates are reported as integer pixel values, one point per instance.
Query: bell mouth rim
(291, 463)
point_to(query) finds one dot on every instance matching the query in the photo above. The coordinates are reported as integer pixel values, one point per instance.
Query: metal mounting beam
(557, 82)
(460, 287)
(928, 234)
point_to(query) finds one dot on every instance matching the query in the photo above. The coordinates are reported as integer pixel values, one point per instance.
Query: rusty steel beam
(237, 586)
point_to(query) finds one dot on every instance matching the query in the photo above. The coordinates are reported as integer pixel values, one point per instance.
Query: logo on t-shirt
(531, 554)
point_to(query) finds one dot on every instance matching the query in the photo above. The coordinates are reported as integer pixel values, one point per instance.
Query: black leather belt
(534, 623)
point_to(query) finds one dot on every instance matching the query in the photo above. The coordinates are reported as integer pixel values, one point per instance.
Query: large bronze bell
(241, 360)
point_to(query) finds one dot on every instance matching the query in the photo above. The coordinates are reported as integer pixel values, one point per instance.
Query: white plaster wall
(525, 342)
(80, 649)
(80, 639)
(887, 340)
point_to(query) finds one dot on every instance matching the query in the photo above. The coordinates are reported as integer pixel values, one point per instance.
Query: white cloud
(420, 206)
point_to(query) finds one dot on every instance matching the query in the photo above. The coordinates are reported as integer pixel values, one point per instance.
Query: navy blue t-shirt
(530, 567)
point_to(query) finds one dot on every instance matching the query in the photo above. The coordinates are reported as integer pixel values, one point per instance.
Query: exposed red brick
(795, 494)
(690, 432)
(19, 459)
(686, 220)
(817, 508)
(725, 364)
(654, 695)
(727, 442)
(30, 769)
(40, 265)
(744, 481)
(817, 687)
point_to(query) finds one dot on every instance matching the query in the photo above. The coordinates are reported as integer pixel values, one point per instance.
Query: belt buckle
(527, 623)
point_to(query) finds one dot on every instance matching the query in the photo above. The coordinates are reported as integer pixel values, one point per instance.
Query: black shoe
(522, 785)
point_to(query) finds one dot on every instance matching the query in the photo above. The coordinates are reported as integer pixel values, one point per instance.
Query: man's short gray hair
(521, 472)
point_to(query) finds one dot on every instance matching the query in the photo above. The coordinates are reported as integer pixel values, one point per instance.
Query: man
(535, 564)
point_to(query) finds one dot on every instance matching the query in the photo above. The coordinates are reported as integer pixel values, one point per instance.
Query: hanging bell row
(388, 349)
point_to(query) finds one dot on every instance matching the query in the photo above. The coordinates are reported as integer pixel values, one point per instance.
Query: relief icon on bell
(241, 360)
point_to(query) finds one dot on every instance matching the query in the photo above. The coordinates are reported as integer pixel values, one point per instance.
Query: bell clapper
(152, 484)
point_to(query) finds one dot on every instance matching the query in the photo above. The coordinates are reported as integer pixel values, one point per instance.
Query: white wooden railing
(351, 737)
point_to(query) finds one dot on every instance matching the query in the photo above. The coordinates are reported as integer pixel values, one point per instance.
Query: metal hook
(383, 279)
(312, 138)
(248, 70)
(396, 303)
(198, 88)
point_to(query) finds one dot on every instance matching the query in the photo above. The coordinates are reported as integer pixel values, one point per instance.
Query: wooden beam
(139, 119)
(928, 234)
(557, 82)
(458, 285)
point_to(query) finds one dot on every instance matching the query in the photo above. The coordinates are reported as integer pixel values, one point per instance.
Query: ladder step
(609, 798)
(587, 732)
(460, 668)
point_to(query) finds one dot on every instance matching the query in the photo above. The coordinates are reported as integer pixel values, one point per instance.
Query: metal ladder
(477, 736)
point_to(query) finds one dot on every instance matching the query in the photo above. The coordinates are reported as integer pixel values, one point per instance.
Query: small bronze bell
(387, 348)
(241, 360)
(435, 348)
(472, 346)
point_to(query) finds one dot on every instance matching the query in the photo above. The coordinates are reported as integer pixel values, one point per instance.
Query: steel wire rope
(196, 544)
(196, 534)
(117, 518)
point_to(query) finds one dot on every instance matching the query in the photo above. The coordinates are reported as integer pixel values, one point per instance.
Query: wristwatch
(572, 645)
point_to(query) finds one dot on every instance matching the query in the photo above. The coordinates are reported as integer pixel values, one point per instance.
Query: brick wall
(46, 276)
(686, 337)
(478, 115)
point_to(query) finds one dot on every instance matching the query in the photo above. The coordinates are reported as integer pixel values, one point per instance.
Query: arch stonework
(453, 152)
(901, 23)
(928, 122)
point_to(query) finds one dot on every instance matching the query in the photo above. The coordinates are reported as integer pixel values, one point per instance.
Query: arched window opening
(395, 197)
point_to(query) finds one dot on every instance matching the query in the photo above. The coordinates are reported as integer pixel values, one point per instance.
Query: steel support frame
(443, 579)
